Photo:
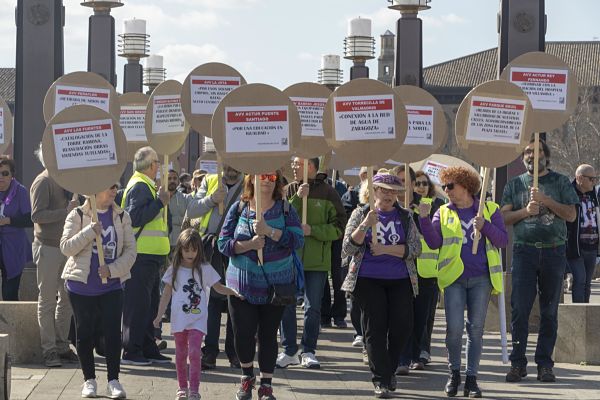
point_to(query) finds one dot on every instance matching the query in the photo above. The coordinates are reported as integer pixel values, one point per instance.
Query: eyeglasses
(529, 152)
(591, 178)
(449, 186)
(114, 187)
(423, 183)
(268, 177)
(5, 173)
(387, 191)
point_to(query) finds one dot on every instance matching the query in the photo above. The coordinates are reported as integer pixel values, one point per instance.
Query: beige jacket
(77, 240)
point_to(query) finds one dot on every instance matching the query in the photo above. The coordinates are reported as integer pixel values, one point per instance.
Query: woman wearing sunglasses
(467, 279)
(15, 216)
(255, 319)
(97, 304)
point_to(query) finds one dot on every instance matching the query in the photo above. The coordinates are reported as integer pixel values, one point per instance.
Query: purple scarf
(10, 195)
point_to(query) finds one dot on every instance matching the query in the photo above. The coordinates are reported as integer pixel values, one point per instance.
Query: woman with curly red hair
(467, 279)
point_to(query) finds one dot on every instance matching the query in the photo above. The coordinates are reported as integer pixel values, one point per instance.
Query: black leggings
(250, 321)
(91, 313)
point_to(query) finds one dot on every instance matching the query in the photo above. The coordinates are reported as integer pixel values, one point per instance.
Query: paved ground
(342, 376)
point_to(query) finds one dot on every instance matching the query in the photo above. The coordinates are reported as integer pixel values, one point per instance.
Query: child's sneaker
(194, 396)
(181, 394)
(265, 392)
(245, 390)
(115, 390)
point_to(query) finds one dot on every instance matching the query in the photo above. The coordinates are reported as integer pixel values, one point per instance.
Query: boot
(453, 383)
(471, 389)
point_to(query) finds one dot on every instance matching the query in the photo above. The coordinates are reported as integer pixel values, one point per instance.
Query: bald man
(583, 238)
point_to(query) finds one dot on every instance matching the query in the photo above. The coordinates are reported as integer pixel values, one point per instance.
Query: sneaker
(358, 341)
(115, 390)
(310, 361)
(425, 357)
(68, 356)
(132, 359)
(162, 345)
(245, 390)
(159, 359)
(402, 370)
(382, 392)
(340, 323)
(516, 374)
(265, 392)
(89, 388)
(181, 394)
(51, 359)
(365, 356)
(194, 396)
(417, 366)
(545, 374)
(283, 360)
(209, 361)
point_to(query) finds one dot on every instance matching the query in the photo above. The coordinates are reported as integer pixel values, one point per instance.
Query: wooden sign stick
(486, 181)
(305, 199)
(406, 182)
(258, 199)
(165, 183)
(536, 159)
(372, 202)
(98, 237)
(220, 182)
(333, 177)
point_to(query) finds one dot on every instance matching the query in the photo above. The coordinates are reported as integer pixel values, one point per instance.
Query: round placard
(427, 128)
(550, 84)
(256, 128)
(80, 88)
(367, 118)
(166, 127)
(133, 117)
(435, 163)
(310, 100)
(351, 176)
(6, 126)
(493, 124)
(84, 149)
(202, 91)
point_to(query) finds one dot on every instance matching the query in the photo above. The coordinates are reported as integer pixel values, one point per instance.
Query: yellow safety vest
(450, 265)
(427, 261)
(212, 182)
(154, 238)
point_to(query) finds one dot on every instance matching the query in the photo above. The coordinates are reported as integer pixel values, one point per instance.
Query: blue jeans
(582, 269)
(536, 270)
(314, 284)
(474, 293)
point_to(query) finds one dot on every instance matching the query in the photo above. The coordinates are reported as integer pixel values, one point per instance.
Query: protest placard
(6, 126)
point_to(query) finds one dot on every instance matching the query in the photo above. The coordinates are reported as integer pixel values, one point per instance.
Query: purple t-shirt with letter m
(389, 232)
(94, 285)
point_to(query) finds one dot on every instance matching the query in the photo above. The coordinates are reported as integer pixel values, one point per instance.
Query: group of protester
(205, 236)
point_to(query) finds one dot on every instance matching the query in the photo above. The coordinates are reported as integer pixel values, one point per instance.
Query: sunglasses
(268, 177)
(418, 184)
(449, 186)
(5, 173)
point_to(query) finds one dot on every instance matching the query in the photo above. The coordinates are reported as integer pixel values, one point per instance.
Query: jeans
(314, 284)
(582, 269)
(474, 293)
(536, 270)
(216, 306)
(188, 343)
(337, 310)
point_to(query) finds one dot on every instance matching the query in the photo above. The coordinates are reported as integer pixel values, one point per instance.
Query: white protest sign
(132, 121)
(364, 117)
(1, 125)
(546, 88)
(311, 114)
(208, 91)
(433, 169)
(257, 129)
(84, 144)
(67, 96)
(496, 120)
(167, 116)
(210, 166)
(420, 125)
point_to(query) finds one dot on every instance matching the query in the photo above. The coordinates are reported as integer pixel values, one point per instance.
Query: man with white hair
(583, 242)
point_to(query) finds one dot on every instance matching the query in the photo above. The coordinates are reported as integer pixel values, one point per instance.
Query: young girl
(187, 285)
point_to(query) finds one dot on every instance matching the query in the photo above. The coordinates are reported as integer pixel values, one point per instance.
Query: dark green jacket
(326, 217)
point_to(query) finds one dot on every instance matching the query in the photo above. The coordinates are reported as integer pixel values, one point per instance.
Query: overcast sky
(280, 42)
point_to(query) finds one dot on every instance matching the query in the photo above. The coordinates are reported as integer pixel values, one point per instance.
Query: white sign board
(67, 96)
(84, 144)
(496, 120)
(167, 116)
(546, 88)
(257, 129)
(210, 166)
(420, 125)
(208, 91)
(1, 125)
(433, 169)
(132, 121)
(364, 117)
(311, 114)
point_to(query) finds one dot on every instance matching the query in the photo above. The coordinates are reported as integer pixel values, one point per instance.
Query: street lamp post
(330, 73)
(101, 41)
(359, 46)
(134, 44)
(154, 73)
(409, 42)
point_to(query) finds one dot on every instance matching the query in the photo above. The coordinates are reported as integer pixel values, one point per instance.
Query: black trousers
(387, 315)
(216, 306)
(338, 310)
(426, 340)
(252, 321)
(10, 287)
(91, 313)
(140, 305)
(421, 314)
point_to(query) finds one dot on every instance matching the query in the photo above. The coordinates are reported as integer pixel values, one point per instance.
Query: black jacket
(573, 227)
